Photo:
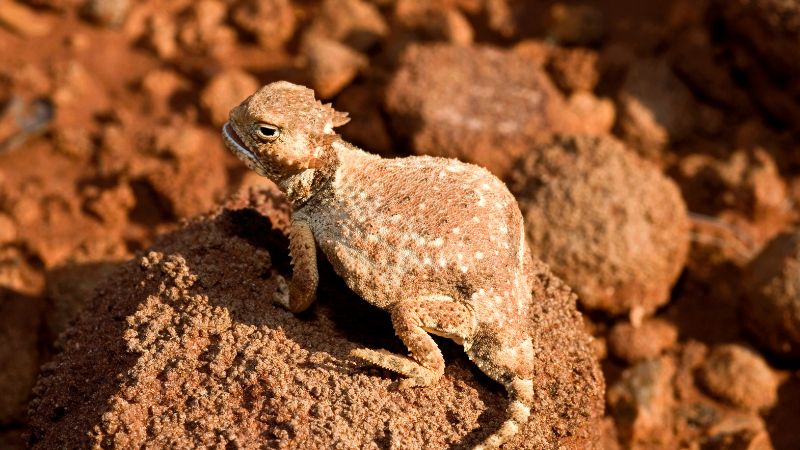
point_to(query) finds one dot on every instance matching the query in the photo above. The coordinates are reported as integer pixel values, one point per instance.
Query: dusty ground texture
(195, 354)
(109, 138)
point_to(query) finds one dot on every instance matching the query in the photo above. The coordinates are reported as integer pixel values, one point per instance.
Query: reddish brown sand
(707, 90)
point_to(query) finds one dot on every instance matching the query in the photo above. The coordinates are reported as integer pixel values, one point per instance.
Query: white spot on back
(481, 199)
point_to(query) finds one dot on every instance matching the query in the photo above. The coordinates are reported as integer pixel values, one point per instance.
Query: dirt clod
(331, 65)
(598, 189)
(489, 106)
(224, 91)
(356, 23)
(108, 12)
(271, 22)
(642, 403)
(745, 432)
(740, 376)
(772, 302)
(646, 341)
(655, 108)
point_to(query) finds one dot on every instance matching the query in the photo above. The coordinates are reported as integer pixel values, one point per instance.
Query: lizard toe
(416, 374)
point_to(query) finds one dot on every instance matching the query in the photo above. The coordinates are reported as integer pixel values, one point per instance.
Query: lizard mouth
(239, 148)
(234, 142)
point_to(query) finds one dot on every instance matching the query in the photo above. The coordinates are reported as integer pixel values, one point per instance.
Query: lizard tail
(520, 394)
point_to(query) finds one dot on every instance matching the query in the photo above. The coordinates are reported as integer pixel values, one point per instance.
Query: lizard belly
(376, 270)
(384, 267)
(366, 276)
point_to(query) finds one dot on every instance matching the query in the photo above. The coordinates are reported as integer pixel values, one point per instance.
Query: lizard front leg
(413, 319)
(303, 250)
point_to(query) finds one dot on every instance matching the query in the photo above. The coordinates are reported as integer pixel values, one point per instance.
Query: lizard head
(281, 130)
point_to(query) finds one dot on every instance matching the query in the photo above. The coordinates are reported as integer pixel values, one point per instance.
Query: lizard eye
(267, 132)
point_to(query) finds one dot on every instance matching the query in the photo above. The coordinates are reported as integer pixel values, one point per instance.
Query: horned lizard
(437, 243)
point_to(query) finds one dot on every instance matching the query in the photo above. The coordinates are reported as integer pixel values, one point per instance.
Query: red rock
(73, 142)
(641, 403)
(738, 432)
(17, 274)
(110, 13)
(193, 179)
(110, 205)
(739, 376)
(646, 341)
(772, 27)
(745, 190)
(159, 87)
(574, 69)
(500, 17)
(331, 66)
(655, 108)
(224, 91)
(594, 116)
(535, 51)
(160, 34)
(478, 104)
(8, 229)
(581, 24)
(356, 23)
(23, 20)
(772, 301)
(606, 221)
(433, 21)
(367, 127)
(203, 29)
(272, 22)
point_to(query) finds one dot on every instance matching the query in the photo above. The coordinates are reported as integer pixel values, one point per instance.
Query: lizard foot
(416, 373)
(281, 296)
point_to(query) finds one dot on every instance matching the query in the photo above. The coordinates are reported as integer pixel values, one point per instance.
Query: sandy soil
(134, 309)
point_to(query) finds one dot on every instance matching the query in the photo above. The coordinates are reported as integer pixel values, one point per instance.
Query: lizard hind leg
(413, 320)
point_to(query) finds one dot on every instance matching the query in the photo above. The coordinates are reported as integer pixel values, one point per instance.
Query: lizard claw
(412, 382)
(281, 296)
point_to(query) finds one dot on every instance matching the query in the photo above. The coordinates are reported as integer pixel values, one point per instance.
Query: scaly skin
(437, 243)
